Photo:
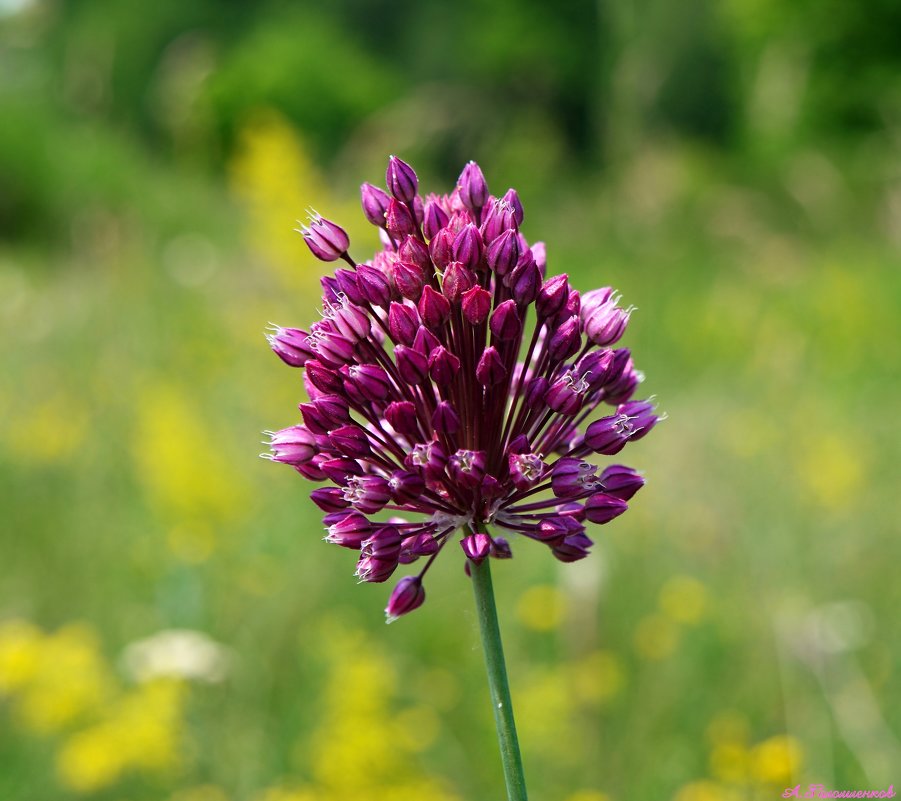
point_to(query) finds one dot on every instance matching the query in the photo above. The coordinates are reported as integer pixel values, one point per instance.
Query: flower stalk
(498, 685)
(420, 402)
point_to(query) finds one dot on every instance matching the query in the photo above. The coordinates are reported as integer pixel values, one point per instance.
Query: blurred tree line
(96, 94)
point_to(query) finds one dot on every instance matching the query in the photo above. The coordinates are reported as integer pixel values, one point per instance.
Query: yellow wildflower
(69, 679)
(20, 648)
(776, 760)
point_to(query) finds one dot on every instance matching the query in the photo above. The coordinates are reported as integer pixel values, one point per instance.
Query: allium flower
(451, 381)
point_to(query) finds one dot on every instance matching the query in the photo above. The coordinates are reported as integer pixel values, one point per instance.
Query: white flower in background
(177, 653)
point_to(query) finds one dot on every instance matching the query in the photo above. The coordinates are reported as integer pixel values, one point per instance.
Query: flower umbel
(450, 380)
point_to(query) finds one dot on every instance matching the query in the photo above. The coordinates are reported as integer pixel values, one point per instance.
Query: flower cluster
(420, 403)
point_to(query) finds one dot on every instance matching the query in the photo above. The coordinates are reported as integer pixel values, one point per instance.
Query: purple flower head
(451, 381)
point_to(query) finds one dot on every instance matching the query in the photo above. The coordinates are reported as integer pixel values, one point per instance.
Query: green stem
(497, 681)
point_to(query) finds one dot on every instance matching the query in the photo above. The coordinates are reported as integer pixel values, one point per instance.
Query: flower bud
(416, 545)
(291, 345)
(352, 322)
(620, 481)
(570, 308)
(573, 548)
(595, 298)
(512, 197)
(322, 377)
(552, 530)
(434, 308)
(417, 210)
(295, 445)
(350, 440)
(401, 180)
(406, 596)
(565, 341)
(498, 216)
(441, 248)
(468, 247)
(608, 435)
(573, 478)
(536, 389)
(341, 470)
(374, 287)
(411, 364)
(310, 470)
(602, 508)
(370, 380)
(375, 203)
(476, 546)
(500, 548)
(606, 323)
(326, 240)
(566, 394)
(313, 419)
(433, 219)
(348, 529)
(348, 285)
(443, 366)
(445, 419)
(476, 304)
(552, 297)
(457, 280)
(524, 281)
(329, 499)
(594, 367)
(369, 494)
(503, 253)
(472, 187)
(401, 415)
(408, 279)
(490, 370)
(505, 324)
(399, 221)
(403, 323)
(414, 251)
(405, 486)
(620, 389)
(332, 349)
(425, 341)
(333, 408)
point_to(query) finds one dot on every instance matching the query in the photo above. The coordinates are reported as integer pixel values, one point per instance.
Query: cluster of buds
(433, 395)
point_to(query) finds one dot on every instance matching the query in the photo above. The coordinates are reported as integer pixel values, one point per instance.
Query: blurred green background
(171, 625)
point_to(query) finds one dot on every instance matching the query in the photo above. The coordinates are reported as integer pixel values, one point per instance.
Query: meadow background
(733, 168)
